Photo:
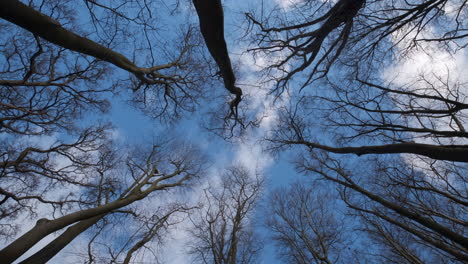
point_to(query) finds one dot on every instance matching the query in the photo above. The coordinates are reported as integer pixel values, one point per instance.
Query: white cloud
(431, 70)
(247, 152)
(287, 4)
(452, 8)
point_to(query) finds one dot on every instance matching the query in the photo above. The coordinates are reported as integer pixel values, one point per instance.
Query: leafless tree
(211, 17)
(395, 245)
(135, 235)
(33, 175)
(307, 225)
(314, 36)
(56, 69)
(429, 210)
(424, 117)
(420, 192)
(173, 82)
(397, 213)
(223, 231)
(397, 145)
(156, 171)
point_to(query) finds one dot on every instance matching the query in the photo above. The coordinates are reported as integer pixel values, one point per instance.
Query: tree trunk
(211, 17)
(46, 227)
(54, 247)
(51, 30)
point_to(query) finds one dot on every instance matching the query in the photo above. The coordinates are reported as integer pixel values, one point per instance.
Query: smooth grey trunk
(46, 227)
(54, 247)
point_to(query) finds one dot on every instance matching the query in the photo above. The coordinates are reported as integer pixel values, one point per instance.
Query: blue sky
(277, 170)
(131, 126)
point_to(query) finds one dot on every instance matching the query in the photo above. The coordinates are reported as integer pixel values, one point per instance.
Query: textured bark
(211, 17)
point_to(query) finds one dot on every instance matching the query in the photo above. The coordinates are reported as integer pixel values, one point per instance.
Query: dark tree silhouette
(315, 36)
(397, 144)
(153, 172)
(211, 17)
(176, 82)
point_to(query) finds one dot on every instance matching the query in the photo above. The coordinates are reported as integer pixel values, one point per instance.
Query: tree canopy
(366, 99)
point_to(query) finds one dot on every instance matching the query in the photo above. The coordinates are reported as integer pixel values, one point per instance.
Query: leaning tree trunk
(47, 28)
(211, 17)
(54, 247)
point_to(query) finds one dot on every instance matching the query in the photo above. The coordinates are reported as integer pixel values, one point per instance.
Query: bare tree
(424, 117)
(137, 235)
(421, 192)
(55, 71)
(428, 209)
(35, 176)
(396, 213)
(397, 144)
(156, 171)
(395, 245)
(223, 231)
(172, 83)
(315, 36)
(307, 225)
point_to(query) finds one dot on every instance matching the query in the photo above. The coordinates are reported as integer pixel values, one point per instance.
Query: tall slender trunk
(54, 247)
(46, 227)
